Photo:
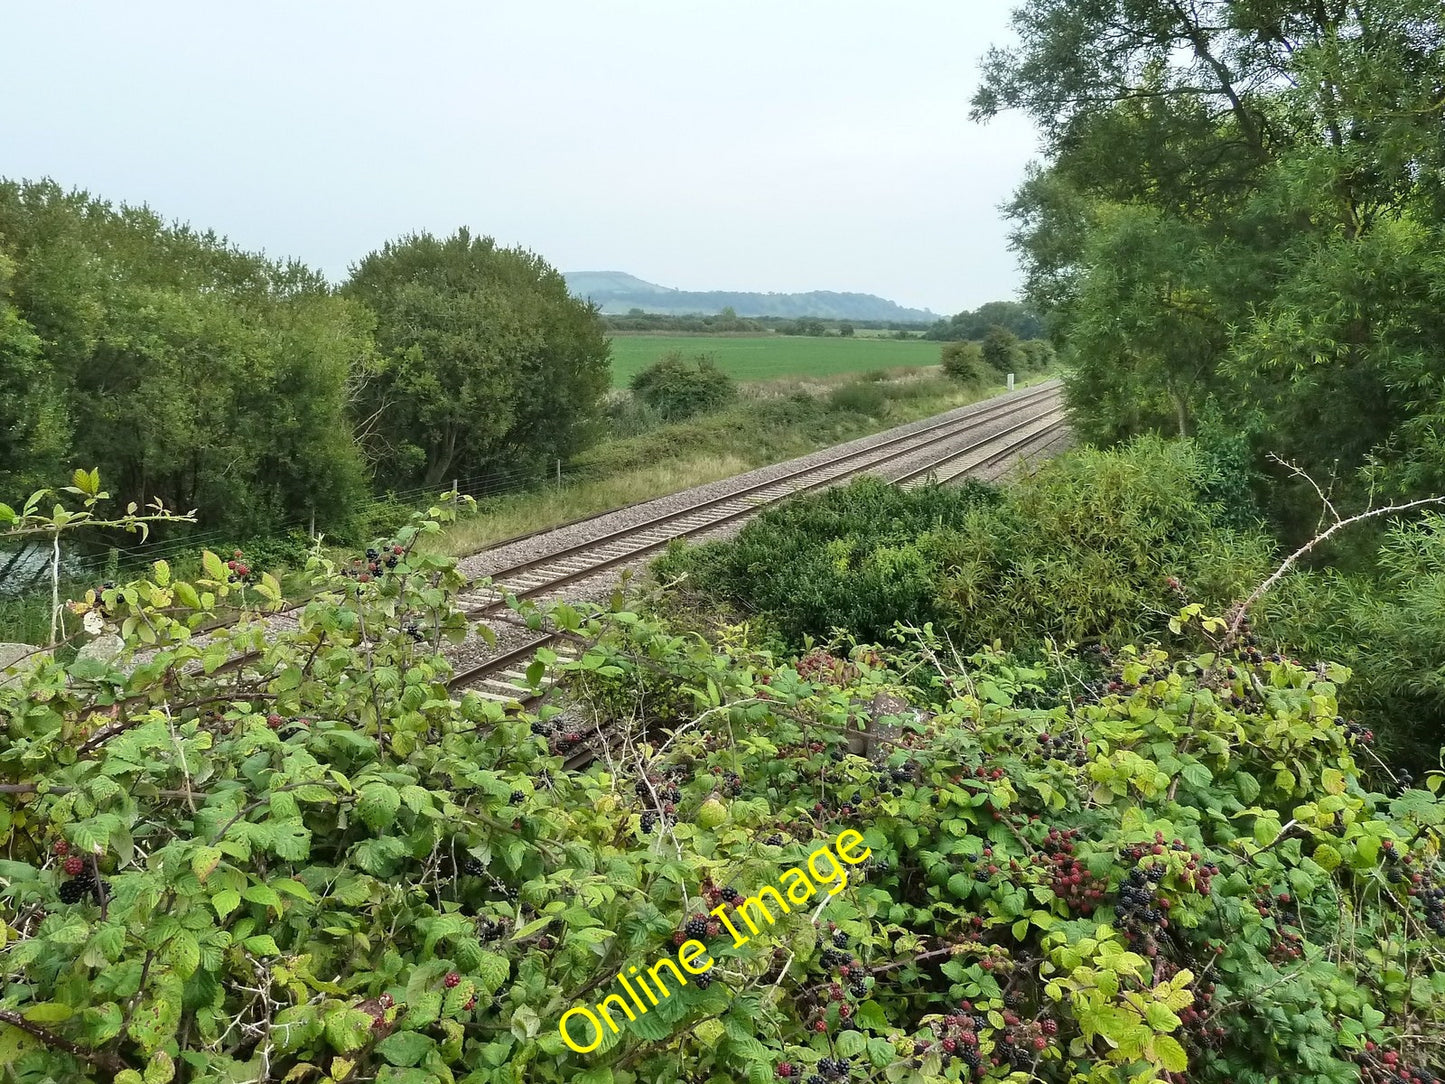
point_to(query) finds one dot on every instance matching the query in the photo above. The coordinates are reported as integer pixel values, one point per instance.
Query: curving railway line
(984, 440)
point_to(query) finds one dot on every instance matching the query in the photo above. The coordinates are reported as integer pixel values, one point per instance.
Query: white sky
(783, 145)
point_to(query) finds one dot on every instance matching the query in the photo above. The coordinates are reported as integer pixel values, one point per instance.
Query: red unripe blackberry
(679, 938)
(1040, 1043)
(397, 550)
(784, 1070)
(471, 1004)
(74, 865)
(274, 721)
(821, 1026)
(386, 1001)
(950, 1045)
(452, 981)
(1051, 1027)
(61, 848)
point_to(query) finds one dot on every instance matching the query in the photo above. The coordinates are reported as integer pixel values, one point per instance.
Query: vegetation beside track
(1167, 865)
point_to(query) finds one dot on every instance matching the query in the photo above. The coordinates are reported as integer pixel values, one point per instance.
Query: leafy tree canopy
(486, 357)
(209, 377)
(1242, 206)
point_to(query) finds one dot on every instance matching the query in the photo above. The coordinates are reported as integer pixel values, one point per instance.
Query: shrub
(1385, 625)
(677, 389)
(858, 397)
(964, 362)
(1108, 868)
(1082, 549)
(1000, 349)
(1035, 355)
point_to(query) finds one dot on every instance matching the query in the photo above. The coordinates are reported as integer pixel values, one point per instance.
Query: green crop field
(770, 357)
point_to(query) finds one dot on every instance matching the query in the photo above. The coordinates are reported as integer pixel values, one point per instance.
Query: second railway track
(1042, 425)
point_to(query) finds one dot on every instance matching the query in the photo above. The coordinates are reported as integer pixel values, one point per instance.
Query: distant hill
(616, 293)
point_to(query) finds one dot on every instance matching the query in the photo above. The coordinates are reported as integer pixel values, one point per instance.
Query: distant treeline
(967, 326)
(728, 322)
(257, 393)
(975, 325)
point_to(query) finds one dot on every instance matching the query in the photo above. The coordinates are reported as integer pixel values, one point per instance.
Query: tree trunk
(442, 461)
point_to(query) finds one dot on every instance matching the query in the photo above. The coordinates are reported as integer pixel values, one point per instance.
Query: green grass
(770, 357)
(771, 423)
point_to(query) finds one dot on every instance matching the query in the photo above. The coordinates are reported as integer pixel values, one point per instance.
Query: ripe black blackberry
(649, 820)
(518, 797)
(774, 840)
(729, 893)
(473, 867)
(78, 888)
(859, 988)
(704, 980)
(696, 927)
(840, 939)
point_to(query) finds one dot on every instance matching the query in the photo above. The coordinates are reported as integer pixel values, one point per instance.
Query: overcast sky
(780, 145)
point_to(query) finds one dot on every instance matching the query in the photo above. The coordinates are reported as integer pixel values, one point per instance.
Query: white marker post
(1010, 381)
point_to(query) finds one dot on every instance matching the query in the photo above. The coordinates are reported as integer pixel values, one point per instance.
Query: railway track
(540, 575)
(1027, 417)
(504, 677)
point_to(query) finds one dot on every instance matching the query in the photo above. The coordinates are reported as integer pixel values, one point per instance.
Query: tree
(32, 413)
(973, 325)
(845, 330)
(964, 362)
(487, 360)
(1241, 215)
(208, 377)
(1000, 349)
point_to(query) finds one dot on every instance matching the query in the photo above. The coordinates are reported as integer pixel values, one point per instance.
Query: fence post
(454, 491)
(1010, 381)
(313, 524)
(559, 474)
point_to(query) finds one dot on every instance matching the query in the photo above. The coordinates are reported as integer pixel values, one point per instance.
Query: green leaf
(851, 1043)
(423, 1009)
(214, 568)
(404, 1048)
(161, 1069)
(184, 953)
(1170, 1054)
(348, 1029)
(492, 972)
(262, 945)
(262, 894)
(1196, 775)
(376, 804)
(48, 1012)
(204, 862)
(1248, 787)
(225, 902)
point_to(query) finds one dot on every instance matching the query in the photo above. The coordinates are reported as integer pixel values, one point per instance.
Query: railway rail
(1030, 419)
(503, 677)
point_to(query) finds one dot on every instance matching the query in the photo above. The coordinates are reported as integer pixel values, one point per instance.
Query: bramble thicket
(327, 866)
